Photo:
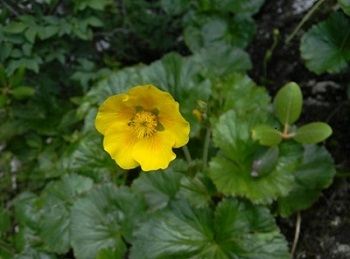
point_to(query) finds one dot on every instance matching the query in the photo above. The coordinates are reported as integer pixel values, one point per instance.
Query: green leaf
(197, 190)
(312, 133)
(22, 92)
(93, 21)
(86, 157)
(47, 31)
(17, 78)
(345, 5)
(314, 174)
(177, 232)
(110, 253)
(252, 99)
(209, 30)
(31, 253)
(57, 199)
(326, 46)
(265, 162)
(233, 172)
(4, 99)
(236, 230)
(31, 33)
(288, 103)
(158, 187)
(102, 218)
(5, 221)
(223, 59)
(243, 230)
(266, 135)
(3, 76)
(231, 134)
(26, 210)
(15, 27)
(174, 8)
(249, 7)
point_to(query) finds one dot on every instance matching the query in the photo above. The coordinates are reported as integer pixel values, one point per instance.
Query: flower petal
(119, 142)
(113, 110)
(173, 122)
(148, 97)
(155, 152)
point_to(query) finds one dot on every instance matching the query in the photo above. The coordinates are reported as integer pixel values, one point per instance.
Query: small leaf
(22, 92)
(30, 34)
(266, 135)
(17, 78)
(5, 221)
(93, 21)
(345, 5)
(266, 162)
(288, 103)
(15, 27)
(3, 100)
(326, 46)
(313, 133)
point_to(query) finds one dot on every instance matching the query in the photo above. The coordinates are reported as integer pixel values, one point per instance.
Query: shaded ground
(325, 228)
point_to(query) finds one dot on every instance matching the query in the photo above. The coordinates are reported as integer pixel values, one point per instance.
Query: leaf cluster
(247, 161)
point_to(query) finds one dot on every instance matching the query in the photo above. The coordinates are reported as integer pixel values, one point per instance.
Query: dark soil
(325, 227)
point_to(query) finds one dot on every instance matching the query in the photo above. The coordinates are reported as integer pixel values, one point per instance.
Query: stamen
(145, 123)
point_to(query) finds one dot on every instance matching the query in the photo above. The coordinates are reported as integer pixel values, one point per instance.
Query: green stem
(206, 148)
(305, 18)
(187, 154)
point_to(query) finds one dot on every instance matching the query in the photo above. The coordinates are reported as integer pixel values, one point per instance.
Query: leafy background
(63, 197)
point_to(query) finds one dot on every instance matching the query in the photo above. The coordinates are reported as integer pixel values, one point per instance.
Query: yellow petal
(113, 110)
(173, 122)
(155, 152)
(148, 97)
(119, 142)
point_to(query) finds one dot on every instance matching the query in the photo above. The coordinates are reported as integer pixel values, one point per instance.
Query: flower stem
(296, 234)
(305, 18)
(206, 148)
(187, 154)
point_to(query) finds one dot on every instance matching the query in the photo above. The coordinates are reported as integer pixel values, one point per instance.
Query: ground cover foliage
(251, 159)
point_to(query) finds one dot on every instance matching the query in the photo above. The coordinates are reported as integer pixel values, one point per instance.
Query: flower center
(144, 123)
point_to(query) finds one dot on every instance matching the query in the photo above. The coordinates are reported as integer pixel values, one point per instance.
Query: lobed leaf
(103, 218)
(314, 174)
(57, 199)
(326, 46)
(237, 229)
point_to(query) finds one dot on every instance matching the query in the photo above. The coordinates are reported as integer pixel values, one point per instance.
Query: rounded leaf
(288, 103)
(312, 133)
(266, 135)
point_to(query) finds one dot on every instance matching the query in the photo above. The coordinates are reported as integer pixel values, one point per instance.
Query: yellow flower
(141, 127)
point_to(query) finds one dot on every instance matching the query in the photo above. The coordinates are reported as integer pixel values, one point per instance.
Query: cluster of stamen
(145, 124)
